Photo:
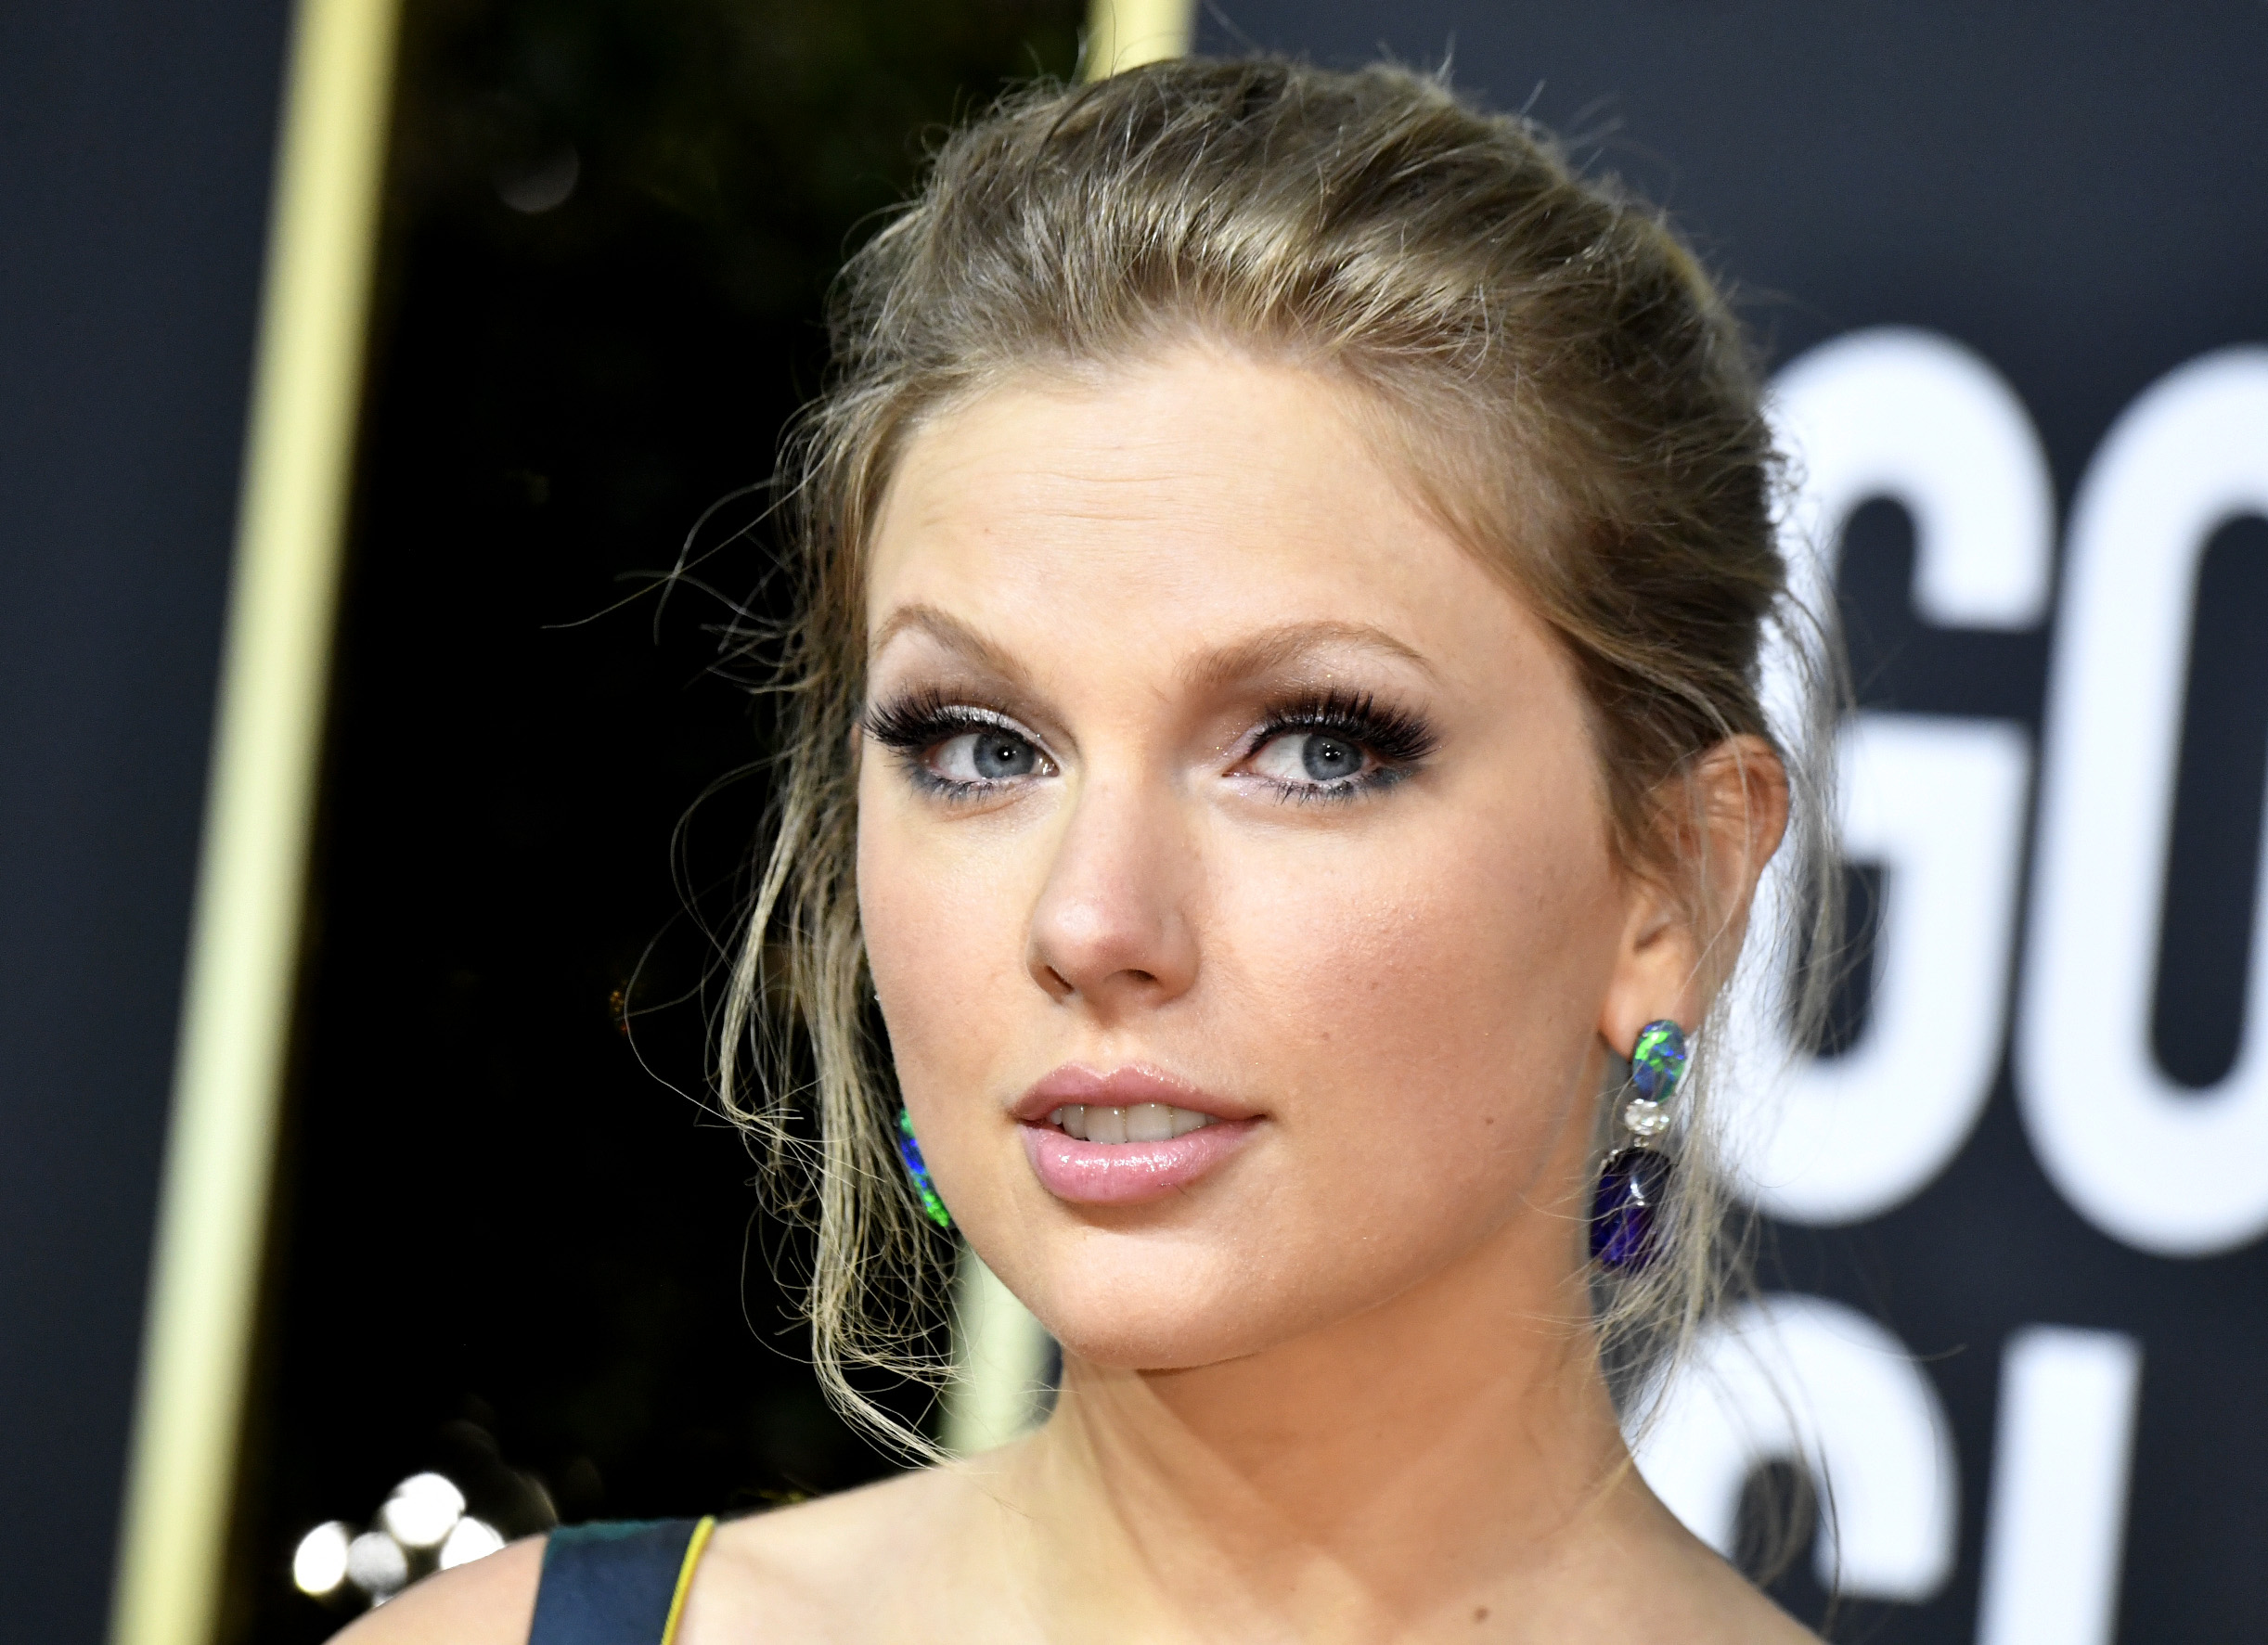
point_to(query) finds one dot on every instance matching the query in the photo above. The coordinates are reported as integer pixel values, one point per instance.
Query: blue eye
(1338, 746)
(1326, 758)
(991, 755)
(956, 748)
(1305, 759)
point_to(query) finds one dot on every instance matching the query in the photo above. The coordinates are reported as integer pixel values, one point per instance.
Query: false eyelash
(924, 718)
(1399, 738)
(913, 724)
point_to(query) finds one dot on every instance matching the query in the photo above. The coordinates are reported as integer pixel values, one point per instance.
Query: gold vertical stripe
(1001, 1355)
(1128, 33)
(245, 931)
(685, 1568)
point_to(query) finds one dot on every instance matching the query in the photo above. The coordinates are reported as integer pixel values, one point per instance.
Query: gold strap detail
(685, 1577)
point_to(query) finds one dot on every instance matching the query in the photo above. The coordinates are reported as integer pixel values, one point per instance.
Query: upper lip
(1122, 1087)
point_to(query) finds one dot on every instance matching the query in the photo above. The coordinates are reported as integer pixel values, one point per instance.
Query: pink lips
(1124, 1173)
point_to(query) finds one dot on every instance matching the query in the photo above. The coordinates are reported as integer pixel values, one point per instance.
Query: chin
(1166, 1334)
(1126, 1301)
(1130, 1302)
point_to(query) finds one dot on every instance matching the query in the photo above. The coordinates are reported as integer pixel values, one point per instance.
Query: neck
(1451, 1449)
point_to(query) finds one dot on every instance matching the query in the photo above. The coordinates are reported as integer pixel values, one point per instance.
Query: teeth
(1149, 1122)
(1145, 1122)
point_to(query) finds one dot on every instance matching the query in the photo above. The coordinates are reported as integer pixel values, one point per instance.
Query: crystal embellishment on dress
(911, 1151)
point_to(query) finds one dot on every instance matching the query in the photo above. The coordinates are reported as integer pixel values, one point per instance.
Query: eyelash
(913, 725)
(1399, 741)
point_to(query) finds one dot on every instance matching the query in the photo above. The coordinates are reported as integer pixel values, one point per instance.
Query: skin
(1343, 1388)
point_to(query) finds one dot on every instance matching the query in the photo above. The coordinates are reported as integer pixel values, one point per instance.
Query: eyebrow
(949, 632)
(1262, 654)
(1278, 648)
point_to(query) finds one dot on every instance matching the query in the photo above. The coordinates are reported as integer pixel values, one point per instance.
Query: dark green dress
(619, 1582)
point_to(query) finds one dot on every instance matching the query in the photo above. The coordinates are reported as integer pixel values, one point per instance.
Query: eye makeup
(1349, 744)
(1316, 745)
(919, 726)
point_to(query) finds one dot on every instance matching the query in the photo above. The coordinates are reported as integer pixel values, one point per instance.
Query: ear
(1717, 822)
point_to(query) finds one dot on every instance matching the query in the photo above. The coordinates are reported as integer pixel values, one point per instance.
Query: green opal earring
(911, 1151)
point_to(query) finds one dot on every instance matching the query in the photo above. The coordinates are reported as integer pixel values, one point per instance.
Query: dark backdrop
(511, 1243)
(2077, 193)
(135, 150)
(501, 1246)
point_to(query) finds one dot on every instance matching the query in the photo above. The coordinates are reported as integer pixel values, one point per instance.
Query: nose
(1113, 925)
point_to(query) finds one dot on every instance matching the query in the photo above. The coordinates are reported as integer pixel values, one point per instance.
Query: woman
(1276, 727)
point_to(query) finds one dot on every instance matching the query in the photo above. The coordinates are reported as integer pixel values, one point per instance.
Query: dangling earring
(1636, 1180)
(911, 1151)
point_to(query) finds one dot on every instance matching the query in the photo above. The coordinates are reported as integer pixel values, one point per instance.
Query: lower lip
(1128, 1173)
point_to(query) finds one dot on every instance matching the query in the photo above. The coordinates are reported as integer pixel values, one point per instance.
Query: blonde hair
(1563, 380)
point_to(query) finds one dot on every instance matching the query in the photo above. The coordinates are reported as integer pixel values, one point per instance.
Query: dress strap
(617, 1582)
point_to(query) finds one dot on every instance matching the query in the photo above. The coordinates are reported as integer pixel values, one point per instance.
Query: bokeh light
(375, 1564)
(470, 1539)
(319, 1564)
(423, 1510)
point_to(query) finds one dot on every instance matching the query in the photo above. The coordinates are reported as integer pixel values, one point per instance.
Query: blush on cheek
(1432, 1008)
(942, 946)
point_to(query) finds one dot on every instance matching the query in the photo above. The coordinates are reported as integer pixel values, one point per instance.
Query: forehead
(1200, 492)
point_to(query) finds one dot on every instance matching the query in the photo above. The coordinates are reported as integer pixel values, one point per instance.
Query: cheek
(1432, 1008)
(945, 946)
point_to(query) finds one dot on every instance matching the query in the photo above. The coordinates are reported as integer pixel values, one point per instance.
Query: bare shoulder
(1727, 1608)
(817, 1571)
(1654, 1579)
(1753, 1619)
(490, 1602)
(808, 1570)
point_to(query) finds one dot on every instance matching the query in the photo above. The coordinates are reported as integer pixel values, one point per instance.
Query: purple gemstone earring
(1636, 1180)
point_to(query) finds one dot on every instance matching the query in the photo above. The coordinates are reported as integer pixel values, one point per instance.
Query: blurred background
(2007, 265)
(511, 1244)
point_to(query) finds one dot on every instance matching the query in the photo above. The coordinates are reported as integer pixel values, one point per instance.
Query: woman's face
(1212, 797)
